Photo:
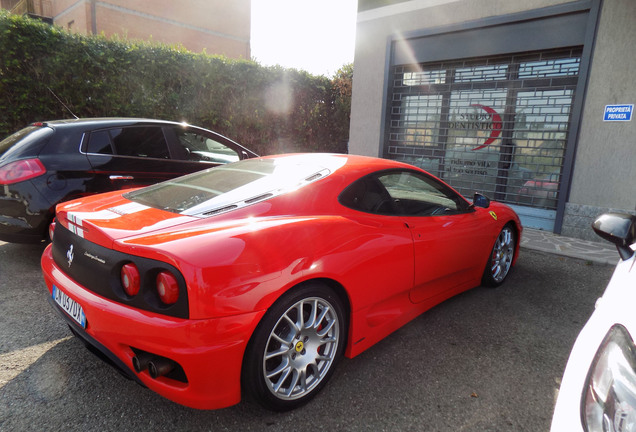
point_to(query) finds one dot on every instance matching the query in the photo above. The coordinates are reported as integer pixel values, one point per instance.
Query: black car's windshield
(24, 137)
(235, 185)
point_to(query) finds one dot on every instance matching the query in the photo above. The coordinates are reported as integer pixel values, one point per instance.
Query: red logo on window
(497, 125)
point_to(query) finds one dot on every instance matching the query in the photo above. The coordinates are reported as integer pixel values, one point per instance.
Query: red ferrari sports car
(258, 276)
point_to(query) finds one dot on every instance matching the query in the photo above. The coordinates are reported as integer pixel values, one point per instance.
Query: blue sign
(618, 112)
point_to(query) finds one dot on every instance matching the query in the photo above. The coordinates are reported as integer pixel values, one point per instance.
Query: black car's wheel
(501, 256)
(295, 348)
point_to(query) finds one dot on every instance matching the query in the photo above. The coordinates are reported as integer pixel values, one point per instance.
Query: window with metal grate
(495, 125)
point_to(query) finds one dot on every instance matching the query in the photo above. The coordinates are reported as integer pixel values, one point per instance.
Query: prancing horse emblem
(69, 255)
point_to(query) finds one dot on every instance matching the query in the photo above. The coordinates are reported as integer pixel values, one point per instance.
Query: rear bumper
(24, 214)
(93, 345)
(209, 351)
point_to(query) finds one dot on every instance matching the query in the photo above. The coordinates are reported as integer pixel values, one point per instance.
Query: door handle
(121, 177)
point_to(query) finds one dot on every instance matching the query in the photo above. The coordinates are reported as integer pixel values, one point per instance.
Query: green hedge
(268, 109)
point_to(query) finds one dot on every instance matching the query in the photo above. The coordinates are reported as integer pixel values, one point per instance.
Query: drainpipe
(93, 17)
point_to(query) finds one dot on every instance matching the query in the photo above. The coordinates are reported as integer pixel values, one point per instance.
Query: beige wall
(73, 15)
(227, 17)
(216, 26)
(605, 164)
(374, 29)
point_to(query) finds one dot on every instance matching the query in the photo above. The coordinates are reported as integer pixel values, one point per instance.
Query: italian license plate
(70, 306)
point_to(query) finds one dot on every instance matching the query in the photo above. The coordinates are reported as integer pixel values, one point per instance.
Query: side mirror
(480, 200)
(618, 228)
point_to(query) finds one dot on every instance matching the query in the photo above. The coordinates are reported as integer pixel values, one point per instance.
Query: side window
(415, 194)
(367, 195)
(403, 193)
(99, 143)
(146, 141)
(202, 148)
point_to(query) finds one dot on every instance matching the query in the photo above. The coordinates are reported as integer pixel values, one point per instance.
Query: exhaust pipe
(140, 361)
(160, 366)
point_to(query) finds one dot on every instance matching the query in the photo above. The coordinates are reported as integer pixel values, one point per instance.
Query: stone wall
(578, 219)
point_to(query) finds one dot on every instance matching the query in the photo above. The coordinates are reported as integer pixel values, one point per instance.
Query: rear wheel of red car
(295, 348)
(501, 257)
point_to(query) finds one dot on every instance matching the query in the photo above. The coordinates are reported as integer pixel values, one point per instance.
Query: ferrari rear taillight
(130, 279)
(167, 288)
(21, 170)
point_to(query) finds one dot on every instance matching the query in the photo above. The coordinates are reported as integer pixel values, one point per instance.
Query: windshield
(24, 137)
(225, 188)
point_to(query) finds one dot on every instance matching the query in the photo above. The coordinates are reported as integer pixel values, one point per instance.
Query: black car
(47, 163)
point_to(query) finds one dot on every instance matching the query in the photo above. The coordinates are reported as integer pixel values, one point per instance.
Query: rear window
(140, 142)
(225, 188)
(100, 143)
(22, 141)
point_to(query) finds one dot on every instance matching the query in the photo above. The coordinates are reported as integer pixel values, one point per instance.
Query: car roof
(87, 123)
(354, 163)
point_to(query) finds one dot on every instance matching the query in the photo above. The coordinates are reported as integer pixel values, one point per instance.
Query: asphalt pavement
(485, 360)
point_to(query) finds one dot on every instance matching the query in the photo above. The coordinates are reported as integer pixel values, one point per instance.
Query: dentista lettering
(476, 121)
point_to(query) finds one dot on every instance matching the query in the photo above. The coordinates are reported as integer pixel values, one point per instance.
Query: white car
(598, 390)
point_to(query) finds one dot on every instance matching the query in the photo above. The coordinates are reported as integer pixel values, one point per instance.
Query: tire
(501, 257)
(292, 355)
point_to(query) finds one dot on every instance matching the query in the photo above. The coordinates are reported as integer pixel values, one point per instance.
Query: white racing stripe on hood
(129, 208)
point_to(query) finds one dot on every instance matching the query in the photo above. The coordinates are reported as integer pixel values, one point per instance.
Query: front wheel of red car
(295, 348)
(501, 257)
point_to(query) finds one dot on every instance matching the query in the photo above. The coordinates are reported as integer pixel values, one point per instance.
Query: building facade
(213, 26)
(528, 102)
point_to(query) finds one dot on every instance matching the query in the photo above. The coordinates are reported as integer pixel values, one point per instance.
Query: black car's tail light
(130, 279)
(167, 288)
(21, 170)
